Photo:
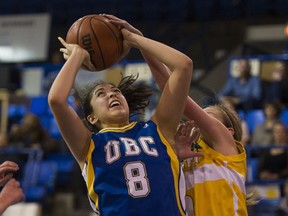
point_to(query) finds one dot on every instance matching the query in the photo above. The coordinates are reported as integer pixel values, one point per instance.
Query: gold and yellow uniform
(216, 183)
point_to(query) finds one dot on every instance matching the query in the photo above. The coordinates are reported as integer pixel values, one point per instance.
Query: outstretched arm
(75, 134)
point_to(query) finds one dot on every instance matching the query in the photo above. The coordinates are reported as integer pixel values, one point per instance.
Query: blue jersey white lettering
(133, 171)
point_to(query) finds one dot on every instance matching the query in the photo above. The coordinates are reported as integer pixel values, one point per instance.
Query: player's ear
(92, 119)
(231, 130)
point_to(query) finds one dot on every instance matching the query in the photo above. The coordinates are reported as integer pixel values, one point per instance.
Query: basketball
(102, 39)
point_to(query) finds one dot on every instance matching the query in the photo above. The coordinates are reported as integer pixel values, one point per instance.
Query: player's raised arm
(75, 134)
(173, 99)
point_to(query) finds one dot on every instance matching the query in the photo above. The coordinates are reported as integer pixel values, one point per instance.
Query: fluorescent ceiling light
(6, 53)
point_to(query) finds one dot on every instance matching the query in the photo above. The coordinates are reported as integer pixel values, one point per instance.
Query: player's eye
(116, 90)
(100, 93)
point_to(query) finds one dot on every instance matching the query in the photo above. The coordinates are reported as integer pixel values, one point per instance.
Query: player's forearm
(159, 71)
(64, 81)
(3, 205)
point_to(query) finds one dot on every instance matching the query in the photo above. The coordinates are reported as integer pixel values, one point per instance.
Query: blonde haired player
(216, 182)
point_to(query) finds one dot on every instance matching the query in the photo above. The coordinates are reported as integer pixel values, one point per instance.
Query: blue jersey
(133, 171)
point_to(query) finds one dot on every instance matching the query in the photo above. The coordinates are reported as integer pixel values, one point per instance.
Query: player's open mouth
(114, 103)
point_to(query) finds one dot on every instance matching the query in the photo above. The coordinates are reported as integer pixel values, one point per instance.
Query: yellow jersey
(216, 183)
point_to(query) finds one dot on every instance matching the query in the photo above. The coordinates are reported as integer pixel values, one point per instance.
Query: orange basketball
(102, 39)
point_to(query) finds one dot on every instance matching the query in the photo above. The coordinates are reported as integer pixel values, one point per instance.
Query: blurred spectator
(283, 82)
(30, 133)
(276, 90)
(273, 164)
(243, 91)
(3, 140)
(245, 131)
(263, 133)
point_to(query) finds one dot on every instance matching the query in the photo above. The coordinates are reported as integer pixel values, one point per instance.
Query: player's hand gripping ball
(102, 39)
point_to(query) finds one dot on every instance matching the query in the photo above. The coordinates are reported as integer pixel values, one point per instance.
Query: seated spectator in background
(243, 91)
(11, 192)
(3, 140)
(273, 164)
(30, 133)
(280, 77)
(276, 89)
(263, 133)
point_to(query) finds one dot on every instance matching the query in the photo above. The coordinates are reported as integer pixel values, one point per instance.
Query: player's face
(109, 105)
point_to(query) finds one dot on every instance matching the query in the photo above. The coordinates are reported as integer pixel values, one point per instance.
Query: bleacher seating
(65, 165)
(40, 176)
(17, 110)
(254, 117)
(252, 170)
(39, 105)
(42, 183)
(31, 172)
(284, 116)
(268, 192)
(266, 207)
(53, 129)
